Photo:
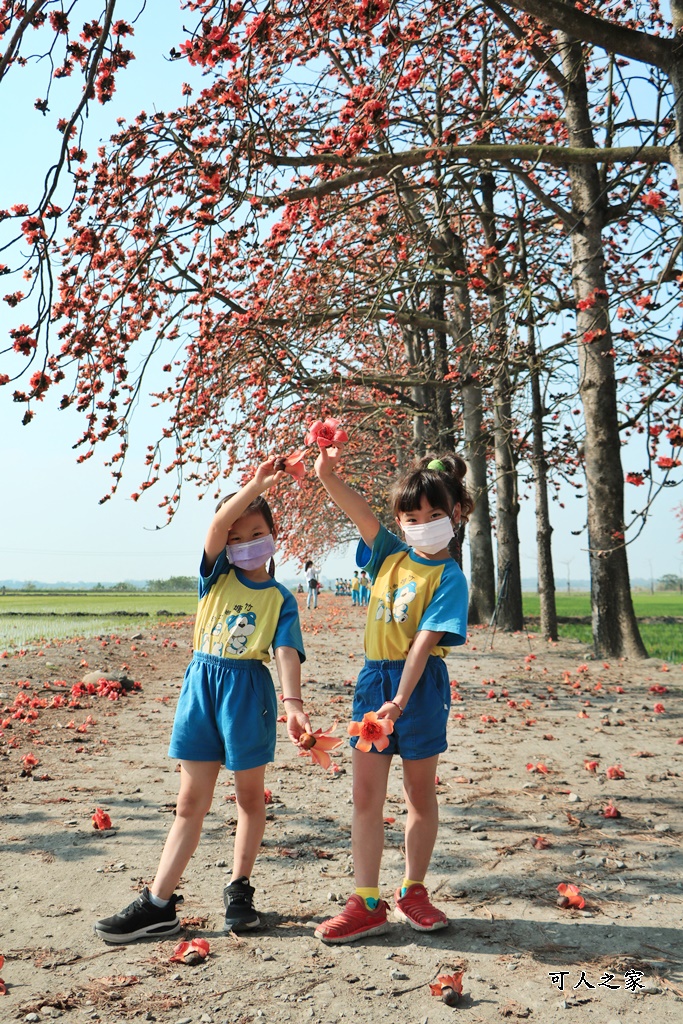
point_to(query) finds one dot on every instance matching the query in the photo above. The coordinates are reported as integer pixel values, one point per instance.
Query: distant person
(312, 579)
(355, 589)
(227, 709)
(364, 588)
(418, 609)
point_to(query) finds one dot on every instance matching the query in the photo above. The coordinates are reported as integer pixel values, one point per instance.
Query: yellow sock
(371, 896)
(407, 882)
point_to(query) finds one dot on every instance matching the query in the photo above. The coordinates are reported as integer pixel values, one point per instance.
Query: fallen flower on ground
(591, 766)
(570, 896)
(372, 732)
(317, 744)
(448, 987)
(615, 771)
(659, 709)
(101, 820)
(326, 434)
(191, 953)
(611, 811)
(3, 987)
(541, 768)
(541, 843)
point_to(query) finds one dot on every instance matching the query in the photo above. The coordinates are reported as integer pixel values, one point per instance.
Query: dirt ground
(527, 719)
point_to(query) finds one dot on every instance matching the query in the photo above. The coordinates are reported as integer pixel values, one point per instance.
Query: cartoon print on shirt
(396, 606)
(402, 598)
(240, 628)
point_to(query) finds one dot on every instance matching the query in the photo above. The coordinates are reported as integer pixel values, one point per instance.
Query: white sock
(157, 900)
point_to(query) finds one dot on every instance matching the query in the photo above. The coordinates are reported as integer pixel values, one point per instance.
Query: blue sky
(51, 524)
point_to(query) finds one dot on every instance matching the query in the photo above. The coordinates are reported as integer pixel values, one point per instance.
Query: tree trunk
(544, 530)
(510, 611)
(615, 630)
(482, 575)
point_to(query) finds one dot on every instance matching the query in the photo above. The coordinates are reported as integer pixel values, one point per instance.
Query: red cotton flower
(3, 987)
(591, 766)
(373, 732)
(448, 987)
(326, 434)
(541, 843)
(610, 811)
(317, 744)
(101, 820)
(292, 464)
(615, 771)
(570, 896)
(191, 953)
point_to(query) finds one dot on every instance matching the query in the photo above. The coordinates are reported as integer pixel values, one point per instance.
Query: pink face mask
(252, 554)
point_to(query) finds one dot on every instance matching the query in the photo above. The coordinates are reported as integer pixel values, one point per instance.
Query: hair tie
(436, 464)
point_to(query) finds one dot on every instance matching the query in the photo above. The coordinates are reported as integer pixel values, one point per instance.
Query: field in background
(33, 618)
(662, 639)
(27, 619)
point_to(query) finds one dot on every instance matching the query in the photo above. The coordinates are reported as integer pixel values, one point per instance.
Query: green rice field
(663, 639)
(28, 619)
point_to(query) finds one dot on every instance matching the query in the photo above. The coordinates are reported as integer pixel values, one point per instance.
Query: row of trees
(451, 226)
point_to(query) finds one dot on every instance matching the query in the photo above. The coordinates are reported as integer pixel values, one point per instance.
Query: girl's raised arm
(230, 511)
(349, 501)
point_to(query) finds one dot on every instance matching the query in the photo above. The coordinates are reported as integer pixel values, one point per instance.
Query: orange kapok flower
(448, 986)
(570, 896)
(317, 744)
(371, 732)
(192, 952)
(101, 820)
(292, 464)
(541, 843)
(611, 811)
(3, 987)
(591, 766)
(615, 771)
(326, 434)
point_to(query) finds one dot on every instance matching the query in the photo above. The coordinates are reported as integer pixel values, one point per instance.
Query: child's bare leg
(197, 783)
(370, 775)
(251, 819)
(419, 789)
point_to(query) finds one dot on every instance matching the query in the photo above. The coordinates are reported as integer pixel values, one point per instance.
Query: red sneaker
(417, 911)
(354, 922)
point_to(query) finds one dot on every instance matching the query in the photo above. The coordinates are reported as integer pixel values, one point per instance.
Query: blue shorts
(227, 711)
(420, 732)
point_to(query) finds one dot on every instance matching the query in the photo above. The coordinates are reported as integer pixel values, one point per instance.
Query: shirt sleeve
(386, 543)
(222, 565)
(447, 610)
(288, 631)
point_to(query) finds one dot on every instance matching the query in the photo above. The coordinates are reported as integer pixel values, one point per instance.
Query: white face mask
(429, 537)
(252, 554)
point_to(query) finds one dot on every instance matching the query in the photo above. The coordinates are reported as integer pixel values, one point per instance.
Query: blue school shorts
(227, 711)
(420, 731)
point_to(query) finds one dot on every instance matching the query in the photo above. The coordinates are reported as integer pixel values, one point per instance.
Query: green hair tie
(436, 464)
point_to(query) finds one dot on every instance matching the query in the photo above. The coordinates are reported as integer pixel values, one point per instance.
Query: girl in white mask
(417, 610)
(227, 709)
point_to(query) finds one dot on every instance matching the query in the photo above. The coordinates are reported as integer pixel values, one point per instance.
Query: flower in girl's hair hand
(317, 744)
(372, 732)
(326, 434)
(101, 820)
(292, 464)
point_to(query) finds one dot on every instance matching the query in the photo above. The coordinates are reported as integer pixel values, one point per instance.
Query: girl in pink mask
(417, 610)
(227, 709)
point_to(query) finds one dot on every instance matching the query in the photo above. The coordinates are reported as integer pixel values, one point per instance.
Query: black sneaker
(140, 920)
(240, 915)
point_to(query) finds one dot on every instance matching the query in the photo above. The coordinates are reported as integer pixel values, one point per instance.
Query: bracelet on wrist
(298, 699)
(396, 705)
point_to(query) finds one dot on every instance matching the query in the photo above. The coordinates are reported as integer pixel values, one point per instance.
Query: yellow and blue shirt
(410, 593)
(237, 618)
